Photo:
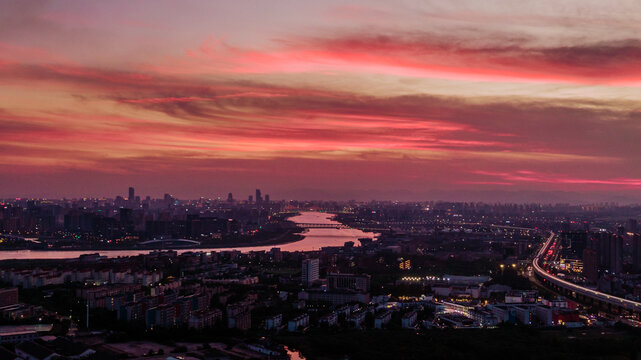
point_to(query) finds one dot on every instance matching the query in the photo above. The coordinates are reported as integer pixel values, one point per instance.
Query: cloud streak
(426, 55)
(338, 96)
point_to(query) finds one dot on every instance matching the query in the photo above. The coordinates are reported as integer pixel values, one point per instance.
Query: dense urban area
(166, 278)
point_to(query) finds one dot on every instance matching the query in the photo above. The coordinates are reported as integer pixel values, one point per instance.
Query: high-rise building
(636, 253)
(590, 265)
(266, 198)
(251, 199)
(573, 243)
(310, 271)
(601, 245)
(230, 198)
(611, 252)
(276, 254)
(259, 198)
(132, 196)
(616, 254)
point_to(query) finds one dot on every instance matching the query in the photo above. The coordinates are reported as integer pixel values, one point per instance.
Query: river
(313, 239)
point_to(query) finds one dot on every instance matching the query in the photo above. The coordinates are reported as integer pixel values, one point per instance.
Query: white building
(310, 271)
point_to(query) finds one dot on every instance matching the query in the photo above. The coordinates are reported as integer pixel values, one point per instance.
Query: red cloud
(559, 179)
(424, 56)
(165, 100)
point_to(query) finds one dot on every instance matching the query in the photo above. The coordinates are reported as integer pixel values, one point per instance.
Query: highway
(610, 299)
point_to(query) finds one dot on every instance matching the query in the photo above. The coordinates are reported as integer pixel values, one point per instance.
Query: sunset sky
(402, 100)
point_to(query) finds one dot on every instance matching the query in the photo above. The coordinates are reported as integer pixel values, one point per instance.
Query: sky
(390, 100)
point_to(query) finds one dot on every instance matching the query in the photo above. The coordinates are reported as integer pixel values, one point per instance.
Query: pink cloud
(559, 179)
(414, 56)
(165, 100)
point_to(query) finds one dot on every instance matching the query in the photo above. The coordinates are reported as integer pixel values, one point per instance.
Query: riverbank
(287, 237)
(310, 240)
(290, 236)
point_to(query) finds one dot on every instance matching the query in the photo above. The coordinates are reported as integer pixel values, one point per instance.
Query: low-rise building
(357, 319)
(382, 319)
(162, 316)
(330, 319)
(16, 337)
(297, 323)
(8, 297)
(408, 320)
(274, 322)
(30, 350)
(204, 318)
(240, 321)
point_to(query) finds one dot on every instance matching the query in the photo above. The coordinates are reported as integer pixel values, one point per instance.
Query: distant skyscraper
(132, 196)
(251, 199)
(310, 271)
(230, 198)
(259, 198)
(266, 198)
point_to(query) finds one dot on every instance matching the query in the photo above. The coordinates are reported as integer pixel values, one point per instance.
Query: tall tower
(259, 198)
(132, 196)
(230, 198)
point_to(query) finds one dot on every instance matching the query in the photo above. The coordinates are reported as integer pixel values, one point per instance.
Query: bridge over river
(170, 242)
(340, 226)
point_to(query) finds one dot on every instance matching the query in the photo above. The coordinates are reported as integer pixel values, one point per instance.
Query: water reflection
(293, 354)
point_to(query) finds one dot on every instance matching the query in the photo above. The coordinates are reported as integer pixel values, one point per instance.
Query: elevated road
(577, 290)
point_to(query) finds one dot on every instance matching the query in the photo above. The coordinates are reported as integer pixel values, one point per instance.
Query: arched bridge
(173, 242)
(340, 226)
(322, 226)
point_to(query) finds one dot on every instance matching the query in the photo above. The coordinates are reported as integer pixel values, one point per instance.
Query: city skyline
(408, 101)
